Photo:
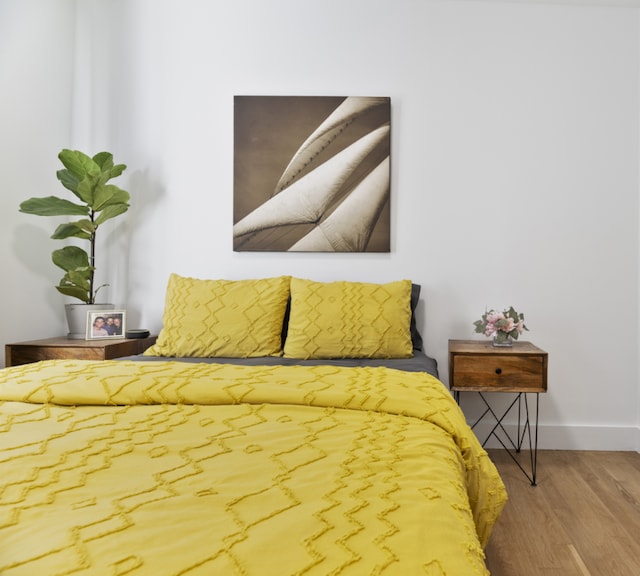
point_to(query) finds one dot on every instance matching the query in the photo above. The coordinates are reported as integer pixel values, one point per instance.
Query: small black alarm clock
(137, 333)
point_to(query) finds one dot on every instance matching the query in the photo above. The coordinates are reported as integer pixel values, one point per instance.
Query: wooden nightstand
(478, 366)
(65, 348)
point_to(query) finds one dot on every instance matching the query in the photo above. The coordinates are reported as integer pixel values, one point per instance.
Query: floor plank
(582, 519)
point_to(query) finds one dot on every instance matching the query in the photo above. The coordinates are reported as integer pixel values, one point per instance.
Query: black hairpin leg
(524, 431)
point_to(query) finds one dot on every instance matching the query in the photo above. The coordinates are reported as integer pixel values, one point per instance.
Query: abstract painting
(311, 174)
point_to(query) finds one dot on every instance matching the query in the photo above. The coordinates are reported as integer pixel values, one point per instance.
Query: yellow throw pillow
(349, 320)
(222, 318)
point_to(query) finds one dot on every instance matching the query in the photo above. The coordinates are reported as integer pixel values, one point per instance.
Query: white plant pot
(77, 318)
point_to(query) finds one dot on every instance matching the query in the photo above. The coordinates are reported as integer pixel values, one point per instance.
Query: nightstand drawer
(499, 372)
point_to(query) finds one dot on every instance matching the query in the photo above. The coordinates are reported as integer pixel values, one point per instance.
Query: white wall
(36, 62)
(514, 165)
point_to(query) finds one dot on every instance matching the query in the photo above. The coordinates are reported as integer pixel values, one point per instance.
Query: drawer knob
(498, 370)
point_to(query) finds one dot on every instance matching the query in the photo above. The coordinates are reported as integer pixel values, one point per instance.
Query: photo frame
(106, 324)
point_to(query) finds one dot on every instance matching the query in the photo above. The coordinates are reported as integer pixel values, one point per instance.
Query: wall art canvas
(311, 174)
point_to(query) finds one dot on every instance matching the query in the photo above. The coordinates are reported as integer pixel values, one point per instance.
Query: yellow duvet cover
(157, 468)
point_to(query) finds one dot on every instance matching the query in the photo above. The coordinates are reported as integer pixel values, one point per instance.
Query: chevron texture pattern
(232, 318)
(349, 320)
(175, 468)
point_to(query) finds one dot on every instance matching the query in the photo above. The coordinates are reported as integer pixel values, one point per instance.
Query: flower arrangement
(503, 326)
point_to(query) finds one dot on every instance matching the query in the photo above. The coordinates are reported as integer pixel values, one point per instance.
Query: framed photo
(102, 324)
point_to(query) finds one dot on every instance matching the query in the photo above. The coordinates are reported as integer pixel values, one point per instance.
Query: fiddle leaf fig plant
(95, 203)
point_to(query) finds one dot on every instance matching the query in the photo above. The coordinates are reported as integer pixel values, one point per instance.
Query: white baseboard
(621, 438)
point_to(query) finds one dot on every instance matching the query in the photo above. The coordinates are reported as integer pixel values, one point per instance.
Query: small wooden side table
(479, 366)
(66, 348)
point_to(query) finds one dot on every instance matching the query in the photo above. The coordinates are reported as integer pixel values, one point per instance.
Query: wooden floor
(582, 519)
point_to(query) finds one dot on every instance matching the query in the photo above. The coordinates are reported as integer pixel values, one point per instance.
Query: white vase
(77, 318)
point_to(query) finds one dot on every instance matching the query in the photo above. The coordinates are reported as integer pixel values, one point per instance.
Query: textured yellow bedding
(174, 468)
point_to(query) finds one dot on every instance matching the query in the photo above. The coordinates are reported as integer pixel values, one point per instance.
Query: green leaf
(69, 180)
(104, 160)
(117, 170)
(111, 211)
(81, 279)
(80, 229)
(52, 206)
(74, 292)
(110, 194)
(71, 258)
(88, 186)
(78, 163)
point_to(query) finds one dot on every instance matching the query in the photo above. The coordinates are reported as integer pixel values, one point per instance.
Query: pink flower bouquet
(501, 325)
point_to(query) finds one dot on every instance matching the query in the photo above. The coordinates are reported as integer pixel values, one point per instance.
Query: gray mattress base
(419, 362)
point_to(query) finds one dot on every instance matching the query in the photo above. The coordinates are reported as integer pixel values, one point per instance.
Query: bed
(278, 426)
